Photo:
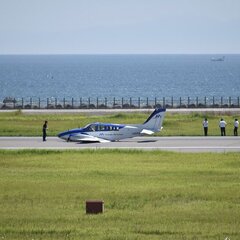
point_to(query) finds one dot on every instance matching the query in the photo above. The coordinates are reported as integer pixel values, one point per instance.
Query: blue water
(119, 76)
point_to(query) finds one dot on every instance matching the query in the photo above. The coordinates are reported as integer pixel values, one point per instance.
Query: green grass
(147, 195)
(19, 124)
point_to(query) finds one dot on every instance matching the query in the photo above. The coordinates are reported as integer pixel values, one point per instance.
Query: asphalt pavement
(179, 144)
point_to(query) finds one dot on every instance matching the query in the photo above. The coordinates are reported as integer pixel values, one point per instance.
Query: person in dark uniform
(45, 127)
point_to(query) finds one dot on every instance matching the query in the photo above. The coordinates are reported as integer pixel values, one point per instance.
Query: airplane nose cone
(61, 135)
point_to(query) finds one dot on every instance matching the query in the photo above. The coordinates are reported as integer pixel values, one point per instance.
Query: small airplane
(109, 132)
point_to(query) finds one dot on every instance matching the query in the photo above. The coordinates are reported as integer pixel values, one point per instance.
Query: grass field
(147, 195)
(19, 124)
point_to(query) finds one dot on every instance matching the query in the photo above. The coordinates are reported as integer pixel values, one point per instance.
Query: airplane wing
(87, 138)
(95, 139)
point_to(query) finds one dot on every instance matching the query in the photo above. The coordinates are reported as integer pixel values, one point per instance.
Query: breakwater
(119, 103)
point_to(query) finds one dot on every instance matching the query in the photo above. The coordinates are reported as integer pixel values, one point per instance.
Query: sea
(118, 76)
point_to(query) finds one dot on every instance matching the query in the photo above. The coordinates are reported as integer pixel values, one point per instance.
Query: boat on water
(220, 59)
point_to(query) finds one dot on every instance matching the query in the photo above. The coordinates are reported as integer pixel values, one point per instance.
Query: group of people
(222, 126)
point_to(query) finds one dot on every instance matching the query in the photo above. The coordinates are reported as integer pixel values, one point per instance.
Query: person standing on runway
(222, 125)
(44, 130)
(235, 130)
(205, 126)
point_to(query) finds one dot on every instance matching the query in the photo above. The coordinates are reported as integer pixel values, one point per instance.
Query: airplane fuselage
(109, 132)
(103, 132)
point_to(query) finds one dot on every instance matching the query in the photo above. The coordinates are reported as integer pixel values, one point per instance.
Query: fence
(119, 103)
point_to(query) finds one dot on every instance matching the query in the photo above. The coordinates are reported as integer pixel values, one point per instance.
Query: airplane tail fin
(155, 120)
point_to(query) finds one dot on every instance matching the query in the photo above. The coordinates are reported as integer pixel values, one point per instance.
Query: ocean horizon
(119, 75)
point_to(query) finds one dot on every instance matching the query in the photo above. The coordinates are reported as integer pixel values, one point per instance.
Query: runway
(179, 144)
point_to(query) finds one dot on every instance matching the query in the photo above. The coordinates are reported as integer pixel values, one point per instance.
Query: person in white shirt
(222, 125)
(235, 130)
(205, 126)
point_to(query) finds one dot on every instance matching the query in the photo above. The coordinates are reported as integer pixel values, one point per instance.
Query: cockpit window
(90, 128)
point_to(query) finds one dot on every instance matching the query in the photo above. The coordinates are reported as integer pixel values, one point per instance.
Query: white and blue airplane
(108, 132)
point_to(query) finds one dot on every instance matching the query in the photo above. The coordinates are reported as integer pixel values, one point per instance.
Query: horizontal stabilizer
(145, 131)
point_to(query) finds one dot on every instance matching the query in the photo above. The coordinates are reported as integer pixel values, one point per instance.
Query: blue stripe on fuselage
(85, 129)
(71, 132)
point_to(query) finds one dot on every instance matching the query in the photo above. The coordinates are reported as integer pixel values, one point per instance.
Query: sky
(119, 26)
